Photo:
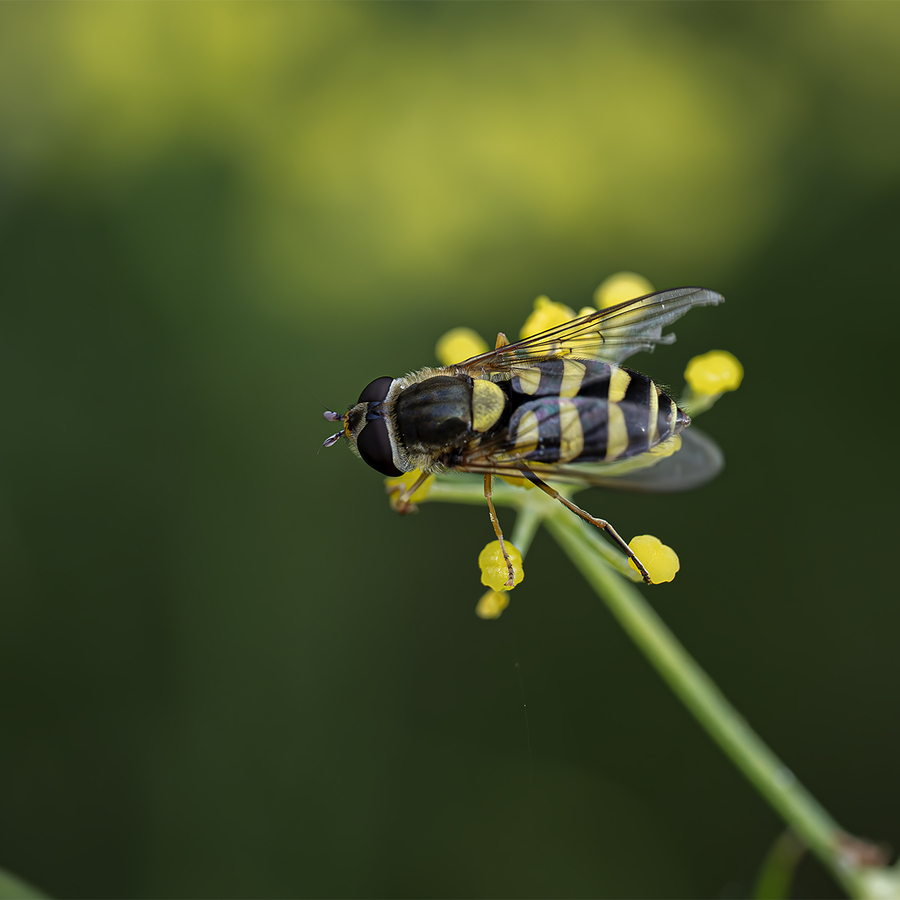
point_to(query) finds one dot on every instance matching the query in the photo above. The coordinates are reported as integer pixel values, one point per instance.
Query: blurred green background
(226, 668)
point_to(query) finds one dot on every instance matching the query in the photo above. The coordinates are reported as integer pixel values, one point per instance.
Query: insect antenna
(332, 417)
(330, 442)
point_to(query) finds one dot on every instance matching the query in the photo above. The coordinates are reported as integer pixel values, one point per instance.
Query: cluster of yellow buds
(494, 574)
(616, 289)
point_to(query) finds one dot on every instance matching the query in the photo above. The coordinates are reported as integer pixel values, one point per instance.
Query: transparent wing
(684, 462)
(698, 461)
(610, 335)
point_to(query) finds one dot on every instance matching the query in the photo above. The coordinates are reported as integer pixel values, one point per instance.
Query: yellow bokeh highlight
(346, 183)
(660, 561)
(546, 314)
(714, 373)
(493, 566)
(459, 344)
(621, 287)
(492, 604)
(396, 486)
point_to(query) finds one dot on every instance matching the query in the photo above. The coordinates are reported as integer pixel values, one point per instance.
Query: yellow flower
(396, 486)
(518, 481)
(546, 314)
(459, 344)
(714, 373)
(621, 287)
(660, 561)
(493, 566)
(492, 604)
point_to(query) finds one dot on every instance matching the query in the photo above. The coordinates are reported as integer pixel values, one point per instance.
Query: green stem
(13, 888)
(849, 860)
(528, 520)
(777, 870)
(701, 696)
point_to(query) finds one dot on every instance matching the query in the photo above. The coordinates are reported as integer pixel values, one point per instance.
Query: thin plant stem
(777, 871)
(693, 686)
(528, 520)
(855, 864)
(14, 888)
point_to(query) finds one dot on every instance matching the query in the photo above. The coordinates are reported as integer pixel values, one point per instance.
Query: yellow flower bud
(621, 287)
(493, 566)
(396, 486)
(660, 561)
(459, 344)
(547, 314)
(492, 604)
(518, 481)
(714, 373)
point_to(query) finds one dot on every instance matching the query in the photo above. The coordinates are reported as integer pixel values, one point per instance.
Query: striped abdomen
(565, 410)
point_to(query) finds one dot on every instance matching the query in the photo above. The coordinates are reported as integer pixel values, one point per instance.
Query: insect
(558, 405)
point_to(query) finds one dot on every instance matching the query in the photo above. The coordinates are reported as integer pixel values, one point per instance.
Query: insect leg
(400, 499)
(600, 523)
(510, 582)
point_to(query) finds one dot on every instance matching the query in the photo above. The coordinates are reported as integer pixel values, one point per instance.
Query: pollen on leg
(660, 561)
(494, 571)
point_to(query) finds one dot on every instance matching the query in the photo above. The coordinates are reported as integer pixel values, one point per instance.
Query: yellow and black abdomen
(568, 410)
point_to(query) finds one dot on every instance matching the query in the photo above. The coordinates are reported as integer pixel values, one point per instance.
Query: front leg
(401, 497)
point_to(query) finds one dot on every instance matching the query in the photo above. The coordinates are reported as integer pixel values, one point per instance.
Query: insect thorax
(435, 414)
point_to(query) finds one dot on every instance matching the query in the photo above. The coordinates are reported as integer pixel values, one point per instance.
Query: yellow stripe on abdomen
(619, 380)
(571, 434)
(573, 375)
(529, 378)
(527, 434)
(653, 430)
(617, 431)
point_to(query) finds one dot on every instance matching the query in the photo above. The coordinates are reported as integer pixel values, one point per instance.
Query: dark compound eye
(374, 445)
(376, 390)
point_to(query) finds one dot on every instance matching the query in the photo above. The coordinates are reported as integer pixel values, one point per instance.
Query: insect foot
(500, 571)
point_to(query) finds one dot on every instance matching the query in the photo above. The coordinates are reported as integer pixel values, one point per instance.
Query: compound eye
(376, 390)
(374, 446)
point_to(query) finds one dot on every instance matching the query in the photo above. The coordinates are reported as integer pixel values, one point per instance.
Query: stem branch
(701, 696)
(849, 860)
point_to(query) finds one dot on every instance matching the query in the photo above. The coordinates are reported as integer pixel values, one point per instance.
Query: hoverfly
(558, 405)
